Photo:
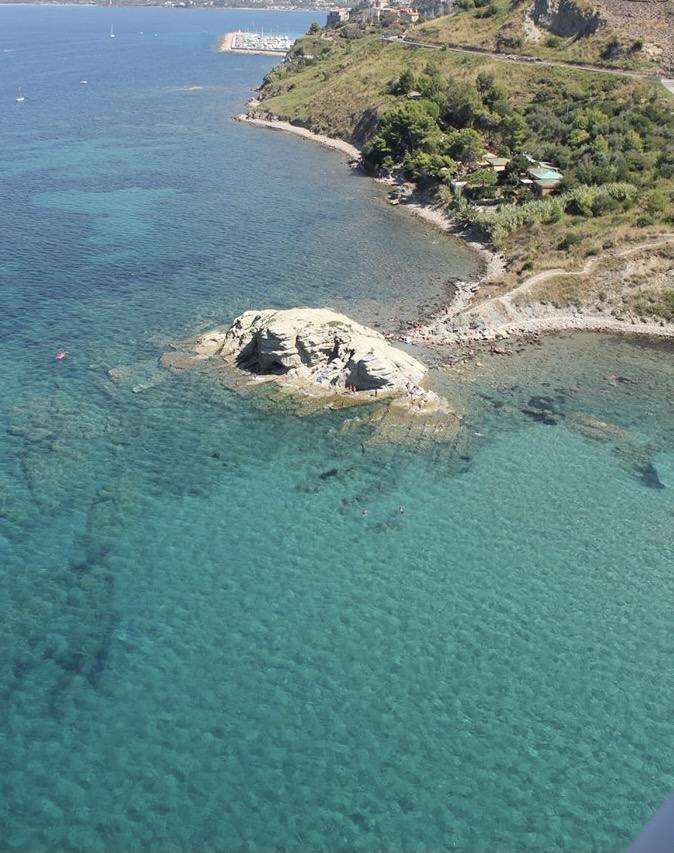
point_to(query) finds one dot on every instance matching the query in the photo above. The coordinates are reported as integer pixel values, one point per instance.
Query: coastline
(276, 124)
(498, 318)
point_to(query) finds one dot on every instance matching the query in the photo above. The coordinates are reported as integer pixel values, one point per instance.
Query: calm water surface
(206, 644)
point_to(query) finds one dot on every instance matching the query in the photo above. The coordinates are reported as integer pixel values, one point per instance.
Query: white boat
(112, 31)
(19, 97)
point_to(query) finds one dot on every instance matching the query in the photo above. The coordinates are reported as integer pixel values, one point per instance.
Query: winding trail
(500, 317)
(507, 299)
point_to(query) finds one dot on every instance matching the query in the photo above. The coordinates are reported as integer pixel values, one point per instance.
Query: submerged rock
(641, 465)
(648, 475)
(596, 429)
(139, 376)
(316, 346)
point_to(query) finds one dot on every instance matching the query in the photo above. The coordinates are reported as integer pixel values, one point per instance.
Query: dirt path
(507, 300)
(499, 318)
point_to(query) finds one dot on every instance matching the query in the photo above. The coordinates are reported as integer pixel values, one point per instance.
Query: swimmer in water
(60, 355)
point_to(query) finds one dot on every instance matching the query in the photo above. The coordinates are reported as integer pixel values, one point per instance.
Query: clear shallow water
(206, 644)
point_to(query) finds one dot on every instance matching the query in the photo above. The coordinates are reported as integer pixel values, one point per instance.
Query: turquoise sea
(207, 644)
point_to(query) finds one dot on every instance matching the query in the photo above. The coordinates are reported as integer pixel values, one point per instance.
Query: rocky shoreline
(467, 320)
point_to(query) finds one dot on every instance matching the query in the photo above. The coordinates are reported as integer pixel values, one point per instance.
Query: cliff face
(648, 21)
(564, 18)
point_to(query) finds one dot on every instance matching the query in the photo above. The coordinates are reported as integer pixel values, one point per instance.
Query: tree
(378, 154)
(665, 164)
(482, 178)
(465, 145)
(491, 93)
(515, 169)
(578, 137)
(513, 130)
(431, 83)
(600, 146)
(482, 183)
(406, 83)
(420, 164)
(401, 130)
(461, 105)
(656, 203)
(314, 28)
(612, 48)
(632, 142)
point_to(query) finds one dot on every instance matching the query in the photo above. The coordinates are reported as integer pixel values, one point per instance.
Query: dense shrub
(611, 143)
(498, 224)
(568, 241)
(657, 305)
(488, 11)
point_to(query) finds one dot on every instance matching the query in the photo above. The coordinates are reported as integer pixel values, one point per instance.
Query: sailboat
(19, 97)
(112, 31)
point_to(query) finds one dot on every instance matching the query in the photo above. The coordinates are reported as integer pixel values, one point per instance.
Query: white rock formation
(317, 345)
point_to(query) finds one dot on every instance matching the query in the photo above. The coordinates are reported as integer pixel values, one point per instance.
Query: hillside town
(377, 12)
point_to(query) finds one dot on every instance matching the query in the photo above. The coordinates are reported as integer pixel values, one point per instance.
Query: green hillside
(429, 117)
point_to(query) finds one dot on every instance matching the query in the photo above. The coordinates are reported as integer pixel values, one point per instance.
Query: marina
(259, 43)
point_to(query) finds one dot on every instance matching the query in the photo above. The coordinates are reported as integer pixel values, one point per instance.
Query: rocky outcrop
(308, 361)
(566, 18)
(315, 346)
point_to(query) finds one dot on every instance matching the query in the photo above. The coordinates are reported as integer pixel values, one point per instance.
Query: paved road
(509, 57)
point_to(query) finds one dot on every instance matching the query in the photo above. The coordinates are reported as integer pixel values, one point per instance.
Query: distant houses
(337, 16)
(378, 12)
